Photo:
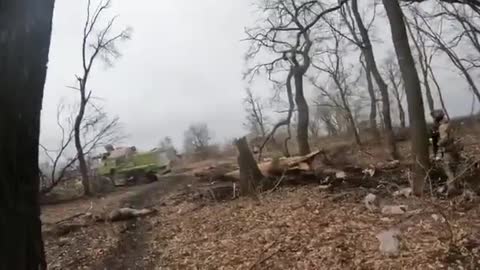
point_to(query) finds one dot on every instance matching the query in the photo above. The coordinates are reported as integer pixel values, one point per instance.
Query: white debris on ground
(371, 202)
(389, 242)
(394, 209)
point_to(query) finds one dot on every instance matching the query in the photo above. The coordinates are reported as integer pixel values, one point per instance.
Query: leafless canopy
(197, 138)
(97, 131)
(97, 42)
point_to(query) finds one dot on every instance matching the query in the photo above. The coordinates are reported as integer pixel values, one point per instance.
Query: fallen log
(279, 166)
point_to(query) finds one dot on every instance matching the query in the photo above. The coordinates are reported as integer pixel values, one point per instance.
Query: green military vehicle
(126, 166)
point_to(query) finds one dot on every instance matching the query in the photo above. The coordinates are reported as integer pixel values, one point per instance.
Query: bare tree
(25, 30)
(446, 47)
(167, 144)
(416, 112)
(373, 100)
(327, 115)
(58, 161)
(95, 43)
(284, 122)
(287, 33)
(362, 40)
(424, 61)
(332, 64)
(98, 130)
(426, 53)
(466, 16)
(256, 119)
(394, 77)
(315, 125)
(197, 138)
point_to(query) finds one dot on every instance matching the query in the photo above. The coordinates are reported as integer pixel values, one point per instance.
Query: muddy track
(132, 251)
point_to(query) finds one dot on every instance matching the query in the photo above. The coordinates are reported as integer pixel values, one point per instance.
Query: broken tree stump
(250, 175)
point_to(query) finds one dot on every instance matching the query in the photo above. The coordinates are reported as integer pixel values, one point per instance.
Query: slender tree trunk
(422, 60)
(382, 86)
(428, 91)
(303, 117)
(380, 115)
(250, 175)
(439, 91)
(25, 29)
(350, 118)
(78, 144)
(416, 112)
(373, 104)
(401, 111)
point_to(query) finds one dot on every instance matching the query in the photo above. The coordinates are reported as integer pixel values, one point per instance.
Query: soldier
(450, 150)
(437, 116)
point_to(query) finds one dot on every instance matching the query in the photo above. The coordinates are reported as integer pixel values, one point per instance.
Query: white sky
(183, 65)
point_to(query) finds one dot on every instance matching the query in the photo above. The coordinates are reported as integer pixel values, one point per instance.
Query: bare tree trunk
(454, 58)
(350, 118)
(416, 112)
(78, 144)
(382, 86)
(250, 175)
(25, 30)
(422, 60)
(303, 117)
(439, 90)
(373, 102)
(284, 122)
(401, 111)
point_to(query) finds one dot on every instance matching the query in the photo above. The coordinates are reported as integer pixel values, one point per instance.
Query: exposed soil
(120, 245)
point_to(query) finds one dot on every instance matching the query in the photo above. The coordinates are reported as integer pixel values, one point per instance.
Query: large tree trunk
(25, 29)
(303, 117)
(382, 86)
(250, 175)
(78, 144)
(416, 112)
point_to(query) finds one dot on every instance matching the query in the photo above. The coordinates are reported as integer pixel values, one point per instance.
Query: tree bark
(25, 30)
(250, 175)
(78, 144)
(416, 112)
(303, 117)
(382, 86)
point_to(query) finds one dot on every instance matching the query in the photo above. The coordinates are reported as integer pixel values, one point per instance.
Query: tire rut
(133, 245)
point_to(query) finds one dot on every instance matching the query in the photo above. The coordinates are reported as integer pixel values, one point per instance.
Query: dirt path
(121, 245)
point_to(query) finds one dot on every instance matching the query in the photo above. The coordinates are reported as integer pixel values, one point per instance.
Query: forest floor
(291, 227)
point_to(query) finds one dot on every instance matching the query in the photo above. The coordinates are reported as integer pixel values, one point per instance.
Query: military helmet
(437, 115)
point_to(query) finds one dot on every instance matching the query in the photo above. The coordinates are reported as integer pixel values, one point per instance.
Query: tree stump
(250, 175)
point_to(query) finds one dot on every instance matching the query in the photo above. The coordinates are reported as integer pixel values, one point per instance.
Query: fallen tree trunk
(277, 167)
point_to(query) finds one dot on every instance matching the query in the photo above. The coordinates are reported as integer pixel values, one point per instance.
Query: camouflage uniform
(451, 153)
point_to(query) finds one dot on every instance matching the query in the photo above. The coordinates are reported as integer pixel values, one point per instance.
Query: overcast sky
(183, 65)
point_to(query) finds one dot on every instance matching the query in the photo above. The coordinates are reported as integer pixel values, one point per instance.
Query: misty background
(183, 65)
